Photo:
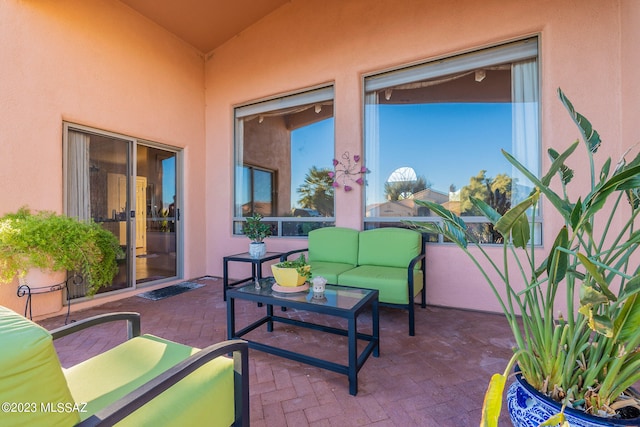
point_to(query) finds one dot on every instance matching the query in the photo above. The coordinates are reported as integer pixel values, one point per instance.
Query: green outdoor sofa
(390, 260)
(145, 381)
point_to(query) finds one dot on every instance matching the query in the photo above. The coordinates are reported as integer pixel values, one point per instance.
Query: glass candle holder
(318, 283)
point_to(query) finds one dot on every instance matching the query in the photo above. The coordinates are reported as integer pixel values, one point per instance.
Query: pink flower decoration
(356, 158)
(363, 170)
(359, 181)
(335, 162)
(331, 174)
(335, 184)
(347, 188)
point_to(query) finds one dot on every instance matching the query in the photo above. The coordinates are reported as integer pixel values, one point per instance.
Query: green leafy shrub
(255, 229)
(49, 241)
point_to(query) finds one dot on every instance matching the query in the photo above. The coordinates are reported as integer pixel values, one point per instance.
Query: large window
(435, 132)
(283, 155)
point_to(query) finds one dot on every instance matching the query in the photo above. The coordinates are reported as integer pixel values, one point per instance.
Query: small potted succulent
(293, 273)
(256, 231)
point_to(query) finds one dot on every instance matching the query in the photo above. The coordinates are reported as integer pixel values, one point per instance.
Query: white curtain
(240, 184)
(78, 203)
(373, 191)
(525, 113)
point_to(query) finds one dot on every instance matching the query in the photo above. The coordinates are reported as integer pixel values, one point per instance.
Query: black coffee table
(339, 301)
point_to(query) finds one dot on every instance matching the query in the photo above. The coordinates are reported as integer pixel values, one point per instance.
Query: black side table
(256, 268)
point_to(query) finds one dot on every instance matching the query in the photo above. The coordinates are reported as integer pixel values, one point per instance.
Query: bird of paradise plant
(588, 356)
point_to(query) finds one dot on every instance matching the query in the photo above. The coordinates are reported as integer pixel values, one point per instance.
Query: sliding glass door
(156, 214)
(130, 188)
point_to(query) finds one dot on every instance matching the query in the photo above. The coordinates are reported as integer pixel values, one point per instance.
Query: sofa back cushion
(334, 244)
(31, 377)
(389, 247)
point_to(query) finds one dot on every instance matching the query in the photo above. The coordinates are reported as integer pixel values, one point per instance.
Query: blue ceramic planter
(528, 408)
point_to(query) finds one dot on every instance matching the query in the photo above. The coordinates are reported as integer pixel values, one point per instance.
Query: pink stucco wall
(307, 43)
(98, 63)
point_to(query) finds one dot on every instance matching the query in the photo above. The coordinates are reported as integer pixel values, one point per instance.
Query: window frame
(311, 95)
(509, 51)
(252, 180)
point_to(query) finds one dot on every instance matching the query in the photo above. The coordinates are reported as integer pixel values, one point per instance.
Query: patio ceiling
(205, 24)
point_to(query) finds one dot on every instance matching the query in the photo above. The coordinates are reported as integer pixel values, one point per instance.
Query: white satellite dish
(403, 174)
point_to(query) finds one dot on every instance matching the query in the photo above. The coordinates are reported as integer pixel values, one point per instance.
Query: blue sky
(310, 146)
(445, 143)
(168, 181)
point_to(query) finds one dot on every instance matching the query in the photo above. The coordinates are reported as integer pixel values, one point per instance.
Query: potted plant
(292, 273)
(48, 241)
(257, 231)
(586, 358)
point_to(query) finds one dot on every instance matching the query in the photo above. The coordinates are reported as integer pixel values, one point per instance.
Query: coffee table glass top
(334, 296)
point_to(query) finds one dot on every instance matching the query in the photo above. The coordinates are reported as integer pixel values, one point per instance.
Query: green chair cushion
(389, 247)
(204, 397)
(334, 244)
(391, 282)
(31, 376)
(329, 270)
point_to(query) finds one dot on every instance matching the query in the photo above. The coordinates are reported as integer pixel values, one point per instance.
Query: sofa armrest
(128, 404)
(415, 260)
(286, 255)
(133, 324)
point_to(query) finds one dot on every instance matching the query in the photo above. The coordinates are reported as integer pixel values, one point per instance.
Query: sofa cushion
(329, 270)
(334, 244)
(31, 375)
(204, 397)
(391, 282)
(389, 247)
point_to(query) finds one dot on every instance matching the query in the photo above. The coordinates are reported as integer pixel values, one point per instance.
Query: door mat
(170, 291)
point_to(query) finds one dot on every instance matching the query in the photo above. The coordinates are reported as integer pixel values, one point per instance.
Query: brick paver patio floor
(436, 378)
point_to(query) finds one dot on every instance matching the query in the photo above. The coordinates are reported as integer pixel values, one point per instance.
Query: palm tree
(317, 191)
(399, 190)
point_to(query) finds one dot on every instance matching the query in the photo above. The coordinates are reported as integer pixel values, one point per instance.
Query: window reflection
(435, 132)
(284, 153)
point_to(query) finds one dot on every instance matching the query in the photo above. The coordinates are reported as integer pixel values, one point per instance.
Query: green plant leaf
(490, 213)
(598, 323)
(600, 280)
(621, 180)
(590, 296)
(628, 321)
(566, 173)
(521, 232)
(561, 205)
(450, 232)
(604, 172)
(443, 212)
(601, 324)
(631, 287)
(630, 184)
(576, 214)
(557, 268)
(542, 268)
(633, 197)
(554, 420)
(557, 163)
(512, 222)
(493, 401)
(591, 137)
(454, 228)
